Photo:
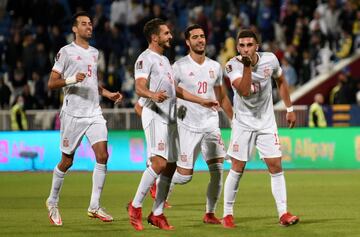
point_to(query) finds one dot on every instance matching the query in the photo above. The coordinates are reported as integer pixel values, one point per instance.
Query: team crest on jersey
(57, 57)
(139, 65)
(228, 68)
(183, 157)
(212, 74)
(235, 147)
(267, 73)
(161, 146)
(66, 142)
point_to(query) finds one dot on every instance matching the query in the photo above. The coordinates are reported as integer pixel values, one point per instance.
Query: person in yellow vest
(316, 113)
(18, 116)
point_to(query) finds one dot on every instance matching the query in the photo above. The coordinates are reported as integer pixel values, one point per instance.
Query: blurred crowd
(307, 36)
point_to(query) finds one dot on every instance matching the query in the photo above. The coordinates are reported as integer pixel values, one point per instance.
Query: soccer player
(254, 122)
(154, 80)
(75, 70)
(198, 127)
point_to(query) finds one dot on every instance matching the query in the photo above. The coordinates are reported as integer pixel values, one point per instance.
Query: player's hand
(80, 76)
(212, 104)
(159, 96)
(291, 118)
(116, 97)
(246, 60)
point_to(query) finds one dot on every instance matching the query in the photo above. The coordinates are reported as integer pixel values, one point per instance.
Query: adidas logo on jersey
(78, 58)
(191, 74)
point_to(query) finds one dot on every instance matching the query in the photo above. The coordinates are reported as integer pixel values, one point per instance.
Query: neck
(199, 58)
(82, 42)
(255, 59)
(156, 48)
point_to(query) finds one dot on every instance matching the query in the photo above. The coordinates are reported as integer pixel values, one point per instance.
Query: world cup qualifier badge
(139, 65)
(57, 57)
(228, 68)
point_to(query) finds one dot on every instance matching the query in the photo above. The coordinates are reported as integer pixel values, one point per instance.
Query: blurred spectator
(4, 94)
(28, 55)
(29, 100)
(305, 69)
(289, 73)
(344, 91)
(13, 51)
(57, 40)
(41, 62)
(316, 113)
(345, 45)
(39, 90)
(18, 77)
(18, 116)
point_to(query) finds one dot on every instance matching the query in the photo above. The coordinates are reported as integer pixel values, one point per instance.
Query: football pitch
(327, 203)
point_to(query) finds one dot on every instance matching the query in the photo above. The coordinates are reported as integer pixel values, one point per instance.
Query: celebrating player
(75, 70)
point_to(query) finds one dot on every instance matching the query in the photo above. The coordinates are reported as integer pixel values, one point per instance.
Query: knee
(102, 157)
(180, 178)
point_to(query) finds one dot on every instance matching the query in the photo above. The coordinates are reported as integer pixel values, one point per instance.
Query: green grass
(326, 201)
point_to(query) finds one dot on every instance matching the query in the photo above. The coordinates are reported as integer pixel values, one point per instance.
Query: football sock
(278, 188)
(148, 178)
(230, 191)
(214, 186)
(171, 188)
(161, 194)
(98, 180)
(57, 182)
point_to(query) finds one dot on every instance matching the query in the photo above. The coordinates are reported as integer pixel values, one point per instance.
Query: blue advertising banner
(303, 148)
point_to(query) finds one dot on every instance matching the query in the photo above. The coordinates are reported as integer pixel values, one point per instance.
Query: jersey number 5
(89, 71)
(202, 87)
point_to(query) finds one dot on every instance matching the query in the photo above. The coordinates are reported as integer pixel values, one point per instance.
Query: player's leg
(213, 151)
(157, 217)
(241, 145)
(71, 132)
(156, 135)
(97, 135)
(269, 150)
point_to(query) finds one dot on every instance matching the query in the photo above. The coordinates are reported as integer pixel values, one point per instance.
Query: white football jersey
(157, 70)
(199, 80)
(255, 111)
(80, 99)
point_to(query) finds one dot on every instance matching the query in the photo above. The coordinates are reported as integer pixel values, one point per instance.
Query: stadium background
(317, 43)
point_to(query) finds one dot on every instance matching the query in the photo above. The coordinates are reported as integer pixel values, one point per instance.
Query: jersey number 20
(202, 87)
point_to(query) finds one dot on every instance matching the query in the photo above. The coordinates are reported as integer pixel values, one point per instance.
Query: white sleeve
(142, 68)
(219, 76)
(177, 74)
(277, 69)
(60, 61)
(234, 70)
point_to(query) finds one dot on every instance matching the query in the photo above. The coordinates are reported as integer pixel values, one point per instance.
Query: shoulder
(93, 50)
(212, 62)
(268, 56)
(67, 48)
(182, 61)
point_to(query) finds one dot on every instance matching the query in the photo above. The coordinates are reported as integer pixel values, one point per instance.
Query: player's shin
(214, 186)
(230, 191)
(161, 194)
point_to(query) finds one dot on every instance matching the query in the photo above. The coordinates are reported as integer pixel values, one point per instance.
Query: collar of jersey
(193, 61)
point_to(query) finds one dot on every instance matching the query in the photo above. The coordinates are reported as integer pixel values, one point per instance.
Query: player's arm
(185, 95)
(142, 90)
(224, 101)
(56, 81)
(114, 96)
(243, 84)
(285, 96)
(138, 109)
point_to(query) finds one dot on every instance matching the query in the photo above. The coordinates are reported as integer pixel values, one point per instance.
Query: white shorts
(191, 143)
(242, 142)
(73, 129)
(162, 140)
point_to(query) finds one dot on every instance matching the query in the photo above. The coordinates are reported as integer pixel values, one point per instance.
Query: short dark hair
(190, 28)
(246, 33)
(76, 15)
(152, 27)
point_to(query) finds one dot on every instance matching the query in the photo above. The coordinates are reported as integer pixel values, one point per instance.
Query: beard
(165, 44)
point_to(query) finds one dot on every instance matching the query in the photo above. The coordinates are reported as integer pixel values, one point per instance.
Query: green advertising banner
(314, 148)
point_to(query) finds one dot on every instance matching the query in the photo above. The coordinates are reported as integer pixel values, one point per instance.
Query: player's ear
(257, 47)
